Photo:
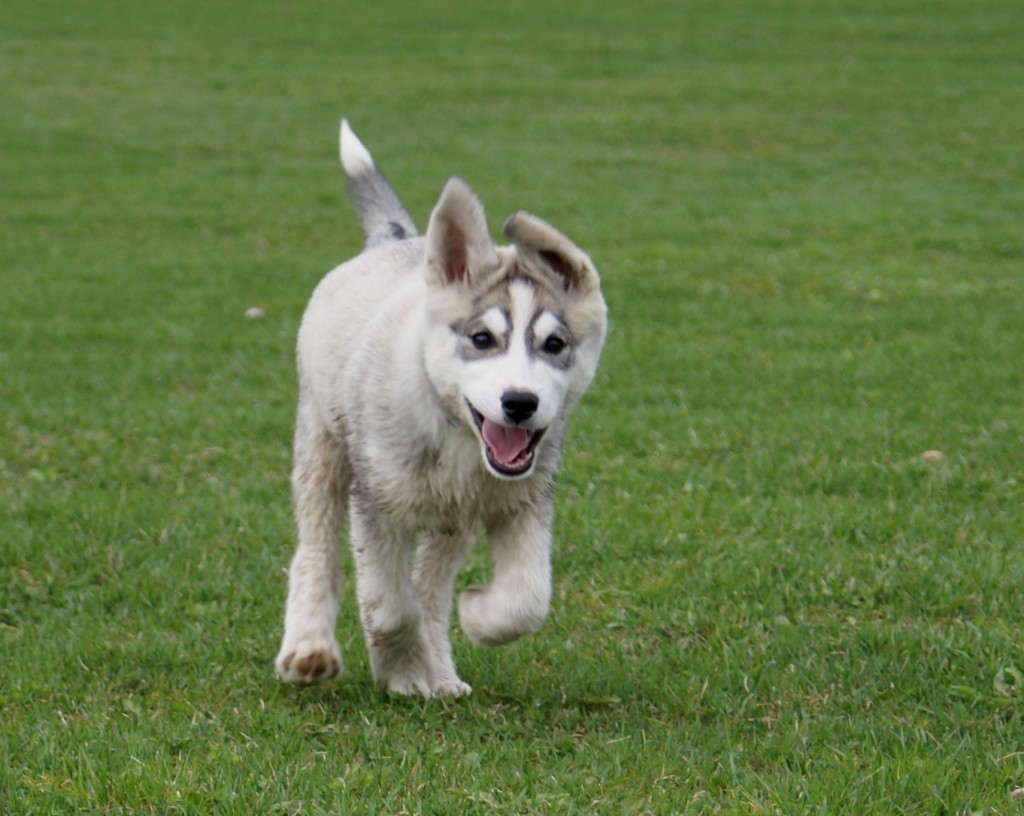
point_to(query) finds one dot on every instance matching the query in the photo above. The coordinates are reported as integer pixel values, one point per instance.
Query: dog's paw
(409, 685)
(488, 620)
(451, 688)
(309, 661)
(478, 621)
(412, 673)
(406, 683)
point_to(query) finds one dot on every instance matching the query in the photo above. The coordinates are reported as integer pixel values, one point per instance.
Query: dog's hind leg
(309, 652)
(438, 559)
(517, 600)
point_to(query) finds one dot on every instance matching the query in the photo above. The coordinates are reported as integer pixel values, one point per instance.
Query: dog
(436, 375)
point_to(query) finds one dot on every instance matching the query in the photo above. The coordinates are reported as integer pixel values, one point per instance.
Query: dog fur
(436, 375)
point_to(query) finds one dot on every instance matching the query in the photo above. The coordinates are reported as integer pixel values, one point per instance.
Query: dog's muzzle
(509, 449)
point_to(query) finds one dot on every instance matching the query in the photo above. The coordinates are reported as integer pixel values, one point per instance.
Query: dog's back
(351, 304)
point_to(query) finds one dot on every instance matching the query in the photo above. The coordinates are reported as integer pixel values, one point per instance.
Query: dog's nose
(519, 406)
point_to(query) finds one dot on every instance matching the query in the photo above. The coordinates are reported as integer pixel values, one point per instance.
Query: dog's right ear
(459, 248)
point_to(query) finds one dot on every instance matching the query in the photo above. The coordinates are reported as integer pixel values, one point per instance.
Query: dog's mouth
(509, 450)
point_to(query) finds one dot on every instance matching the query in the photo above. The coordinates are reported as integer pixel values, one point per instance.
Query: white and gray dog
(436, 376)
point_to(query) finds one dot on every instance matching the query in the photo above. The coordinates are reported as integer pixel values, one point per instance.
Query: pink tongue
(506, 444)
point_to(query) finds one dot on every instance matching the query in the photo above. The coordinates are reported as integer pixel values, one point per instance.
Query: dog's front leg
(389, 611)
(438, 559)
(309, 652)
(517, 600)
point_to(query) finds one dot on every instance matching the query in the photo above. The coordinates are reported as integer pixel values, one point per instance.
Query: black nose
(519, 406)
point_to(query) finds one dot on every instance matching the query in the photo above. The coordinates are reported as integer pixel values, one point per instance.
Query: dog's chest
(449, 490)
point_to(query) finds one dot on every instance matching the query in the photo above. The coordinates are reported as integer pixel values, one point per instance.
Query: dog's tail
(383, 216)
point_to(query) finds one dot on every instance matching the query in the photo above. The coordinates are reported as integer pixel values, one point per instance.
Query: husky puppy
(436, 376)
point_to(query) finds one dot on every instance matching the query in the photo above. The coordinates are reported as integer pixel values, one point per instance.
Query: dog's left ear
(542, 246)
(459, 248)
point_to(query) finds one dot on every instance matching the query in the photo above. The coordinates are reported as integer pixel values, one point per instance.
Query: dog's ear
(459, 248)
(543, 247)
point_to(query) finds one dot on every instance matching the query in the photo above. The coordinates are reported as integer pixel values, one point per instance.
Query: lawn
(790, 534)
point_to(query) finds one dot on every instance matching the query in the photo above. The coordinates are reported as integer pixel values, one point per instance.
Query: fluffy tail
(383, 216)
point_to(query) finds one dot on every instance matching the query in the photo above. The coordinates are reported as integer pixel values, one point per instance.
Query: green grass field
(809, 218)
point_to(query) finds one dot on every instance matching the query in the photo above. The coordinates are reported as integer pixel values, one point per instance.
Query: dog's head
(515, 332)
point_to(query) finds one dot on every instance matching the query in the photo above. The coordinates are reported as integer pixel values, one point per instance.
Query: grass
(808, 219)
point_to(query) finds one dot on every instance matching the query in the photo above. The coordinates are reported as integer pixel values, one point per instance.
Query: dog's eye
(482, 340)
(554, 345)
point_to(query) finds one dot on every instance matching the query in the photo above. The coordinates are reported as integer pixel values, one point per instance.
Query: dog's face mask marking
(485, 335)
(514, 383)
(509, 328)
